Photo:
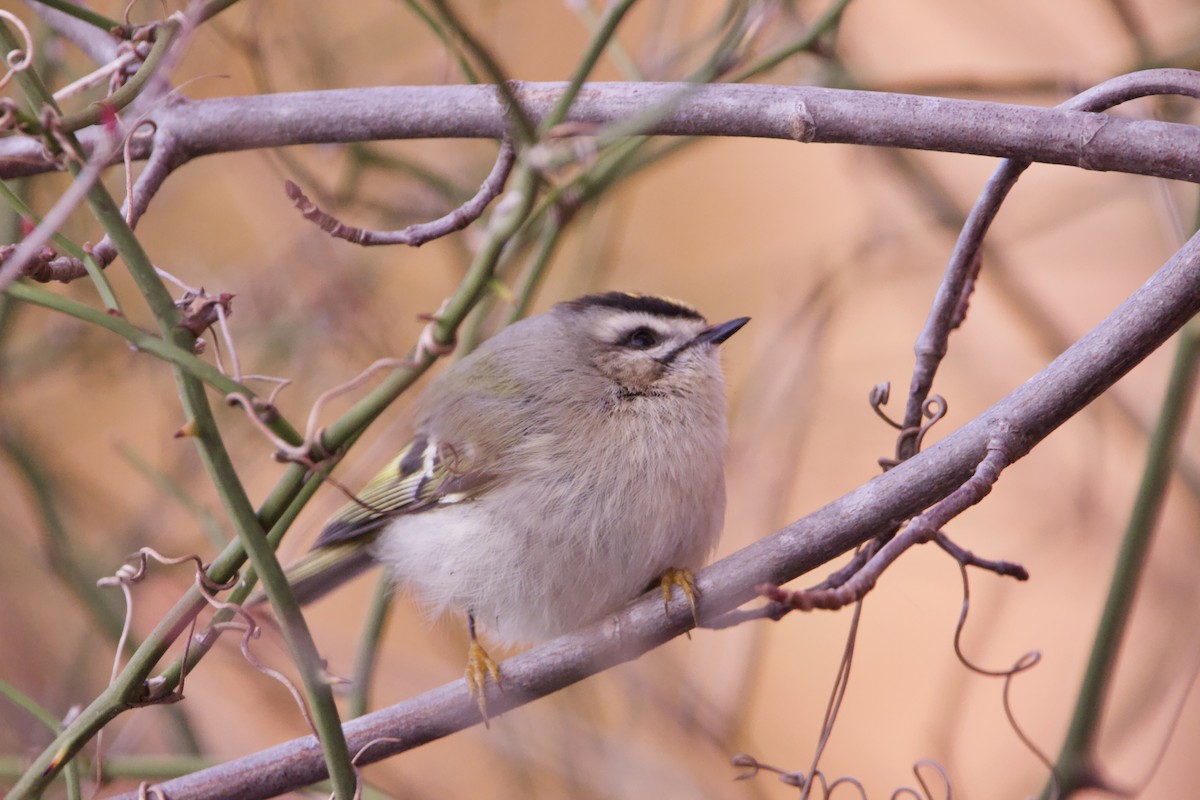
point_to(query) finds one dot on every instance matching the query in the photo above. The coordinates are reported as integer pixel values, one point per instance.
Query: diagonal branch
(950, 304)
(1031, 412)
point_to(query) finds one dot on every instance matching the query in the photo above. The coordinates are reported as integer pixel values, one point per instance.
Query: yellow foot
(684, 579)
(479, 667)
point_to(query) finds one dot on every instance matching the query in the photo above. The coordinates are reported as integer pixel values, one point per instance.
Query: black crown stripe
(649, 304)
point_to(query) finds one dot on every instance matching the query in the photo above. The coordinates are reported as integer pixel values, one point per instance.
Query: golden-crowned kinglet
(561, 469)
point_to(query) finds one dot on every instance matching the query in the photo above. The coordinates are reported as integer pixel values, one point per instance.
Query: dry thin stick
(252, 630)
(840, 684)
(145, 789)
(919, 530)
(969, 559)
(303, 452)
(1025, 662)
(312, 445)
(354, 763)
(96, 76)
(414, 235)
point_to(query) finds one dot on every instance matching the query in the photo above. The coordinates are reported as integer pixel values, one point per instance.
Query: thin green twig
(63, 552)
(168, 486)
(525, 131)
(296, 634)
(820, 26)
(27, 704)
(619, 55)
(85, 14)
(164, 34)
(536, 266)
(367, 657)
(430, 22)
(599, 41)
(32, 86)
(149, 343)
(1076, 767)
(205, 433)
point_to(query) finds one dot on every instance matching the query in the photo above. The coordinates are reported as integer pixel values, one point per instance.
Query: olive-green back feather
(425, 473)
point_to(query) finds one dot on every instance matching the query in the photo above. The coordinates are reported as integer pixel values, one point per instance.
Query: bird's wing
(425, 474)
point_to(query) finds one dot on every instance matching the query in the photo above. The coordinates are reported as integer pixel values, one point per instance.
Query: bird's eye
(641, 338)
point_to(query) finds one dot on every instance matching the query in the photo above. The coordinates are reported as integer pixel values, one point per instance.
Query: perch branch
(795, 113)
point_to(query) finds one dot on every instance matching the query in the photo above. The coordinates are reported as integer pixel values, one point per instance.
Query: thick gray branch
(811, 114)
(1028, 415)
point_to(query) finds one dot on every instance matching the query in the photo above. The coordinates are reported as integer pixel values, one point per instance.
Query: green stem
(99, 279)
(232, 493)
(64, 555)
(296, 634)
(819, 27)
(148, 343)
(39, 97)
(525, 132)
(535, 270)
(596, 47)
(444, 38)
(27, 704)
(368, 647)
(619, 55)
(1076, 767)
(164, 35)
(173, 675)
(85, 14)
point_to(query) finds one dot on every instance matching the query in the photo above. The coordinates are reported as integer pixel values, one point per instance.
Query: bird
(570, 463)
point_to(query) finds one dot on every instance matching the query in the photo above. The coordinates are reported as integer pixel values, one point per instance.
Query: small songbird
(571, 462)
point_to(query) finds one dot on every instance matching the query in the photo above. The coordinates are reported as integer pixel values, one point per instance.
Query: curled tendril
(17, 60)
(753, 766)
(933, 410)
(8, 113)
(878, 398)
(312, 450)
(1022, 664)
(146, 790)
(925, 793)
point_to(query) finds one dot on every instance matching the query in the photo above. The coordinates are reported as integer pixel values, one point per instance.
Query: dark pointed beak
(719, 333)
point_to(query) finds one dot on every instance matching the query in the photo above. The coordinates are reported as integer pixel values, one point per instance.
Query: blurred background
(835, 251)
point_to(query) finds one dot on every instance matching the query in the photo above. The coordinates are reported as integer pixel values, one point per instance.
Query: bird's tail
(324, 569)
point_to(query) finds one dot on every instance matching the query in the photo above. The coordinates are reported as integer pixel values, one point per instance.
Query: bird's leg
(479, 666)
(684, 579)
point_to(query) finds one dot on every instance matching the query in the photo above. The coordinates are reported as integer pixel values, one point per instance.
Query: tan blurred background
(834, 251)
